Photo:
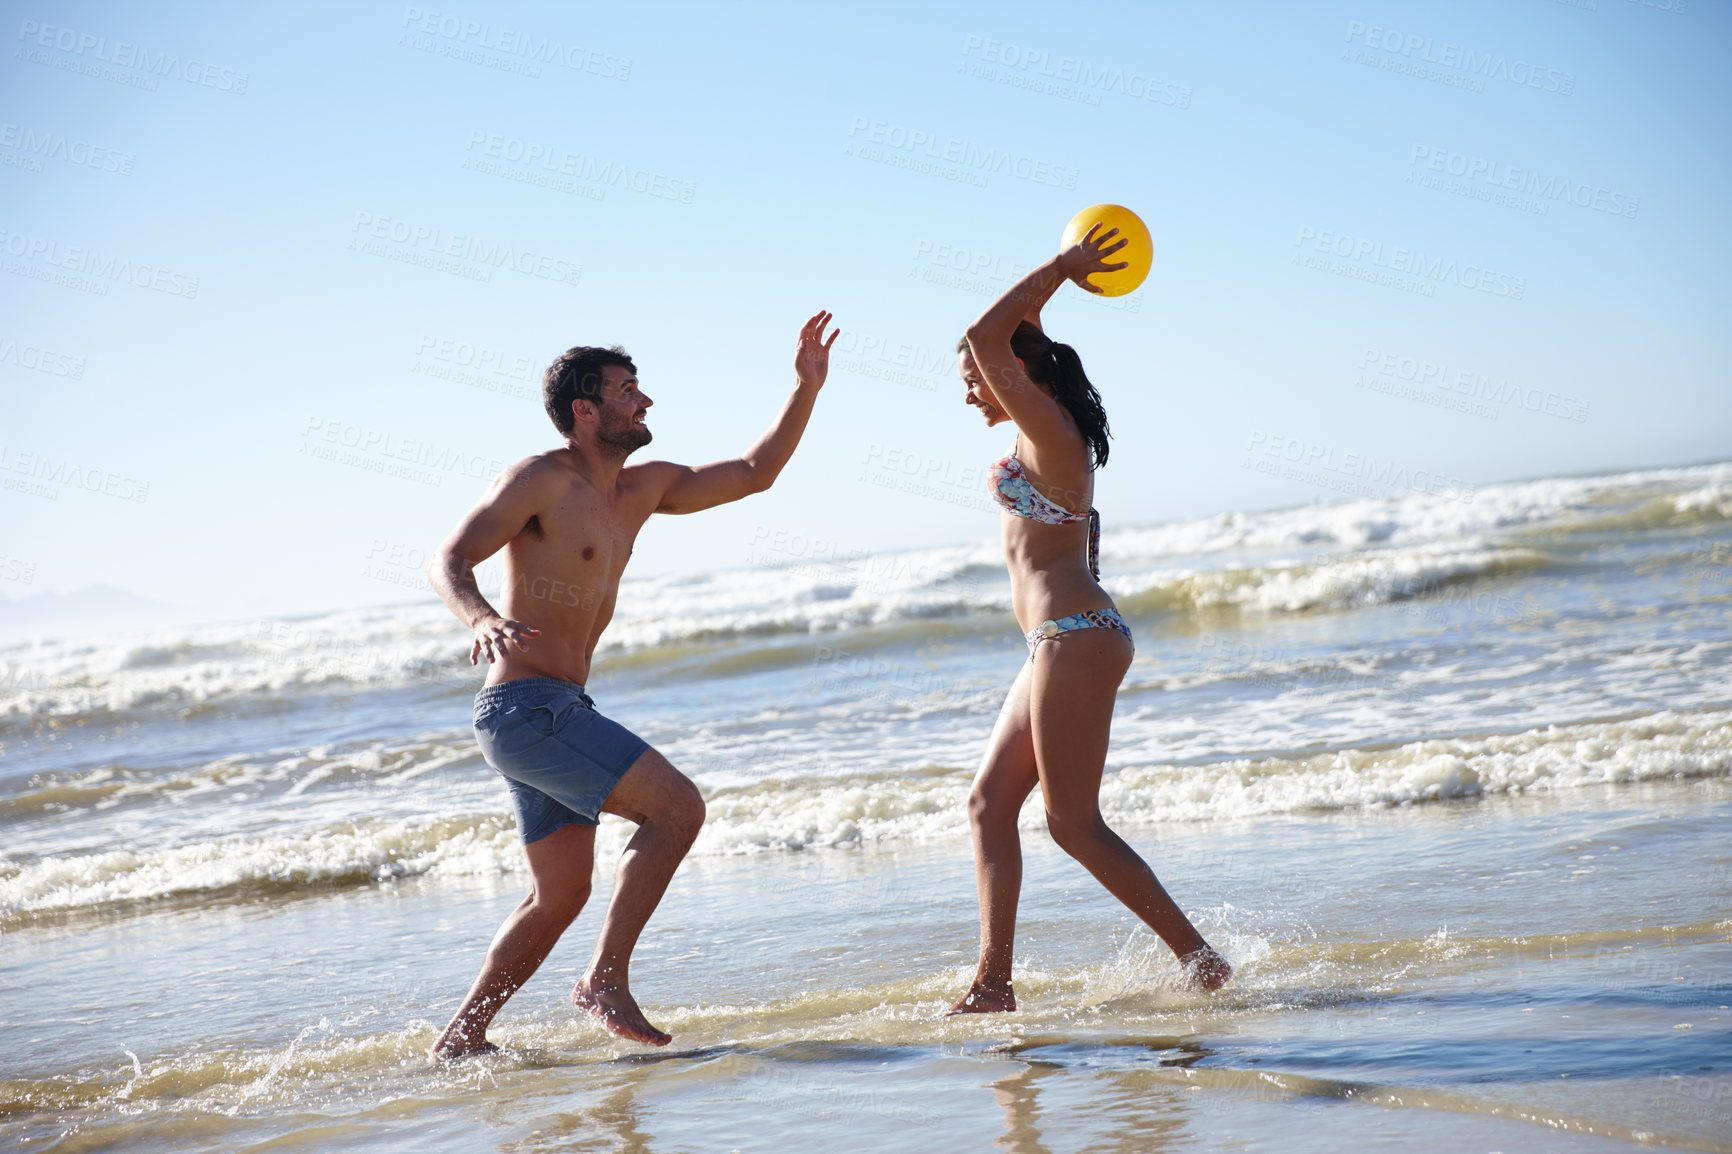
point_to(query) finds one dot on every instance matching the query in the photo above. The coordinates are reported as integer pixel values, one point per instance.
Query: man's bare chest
(580, 535)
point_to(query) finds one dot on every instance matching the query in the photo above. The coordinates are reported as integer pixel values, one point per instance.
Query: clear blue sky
(1529, 195)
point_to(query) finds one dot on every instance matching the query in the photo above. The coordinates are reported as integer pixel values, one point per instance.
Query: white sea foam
(182, 668)
(795, 814)
(349, 778)
(351, 853)
(1375, 577)
(1714, 498)
(1663, 745)
(1354, 553)
(1415, 518)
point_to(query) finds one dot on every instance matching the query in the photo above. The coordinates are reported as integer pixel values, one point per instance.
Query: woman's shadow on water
(1133, 1113)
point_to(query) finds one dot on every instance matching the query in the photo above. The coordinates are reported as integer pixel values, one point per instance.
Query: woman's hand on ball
(1089, 254)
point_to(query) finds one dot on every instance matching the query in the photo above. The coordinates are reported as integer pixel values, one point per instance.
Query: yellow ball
(1138, 254)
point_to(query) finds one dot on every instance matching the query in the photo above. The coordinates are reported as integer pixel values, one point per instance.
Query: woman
(1053, 729)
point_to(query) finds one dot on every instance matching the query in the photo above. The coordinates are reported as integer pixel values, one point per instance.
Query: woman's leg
(1007, 776)
(1075, 679)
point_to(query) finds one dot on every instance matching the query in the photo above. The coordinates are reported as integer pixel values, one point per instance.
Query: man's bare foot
(1205, 968)
(615, 1008)
(984, 999)
(450, 1047)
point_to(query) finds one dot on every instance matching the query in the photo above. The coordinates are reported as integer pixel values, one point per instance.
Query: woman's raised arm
(989, 336)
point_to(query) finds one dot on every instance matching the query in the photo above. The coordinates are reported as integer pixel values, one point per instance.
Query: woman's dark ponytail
(1058, 367)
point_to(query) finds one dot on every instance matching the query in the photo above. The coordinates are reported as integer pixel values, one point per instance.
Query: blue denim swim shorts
(559, 757)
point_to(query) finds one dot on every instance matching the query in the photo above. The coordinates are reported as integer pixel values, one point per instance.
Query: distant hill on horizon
(93, 604)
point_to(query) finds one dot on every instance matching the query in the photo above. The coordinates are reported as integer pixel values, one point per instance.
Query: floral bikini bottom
(1087, 619)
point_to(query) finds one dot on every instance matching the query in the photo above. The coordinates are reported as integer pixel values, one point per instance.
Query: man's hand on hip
(497, 633)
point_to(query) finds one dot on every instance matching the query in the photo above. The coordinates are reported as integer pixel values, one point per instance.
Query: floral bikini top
(1016, 495)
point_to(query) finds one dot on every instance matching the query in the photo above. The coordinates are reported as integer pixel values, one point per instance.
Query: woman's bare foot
(1205, 968)
(984, 999)
(615, 1008)
(452, 1046)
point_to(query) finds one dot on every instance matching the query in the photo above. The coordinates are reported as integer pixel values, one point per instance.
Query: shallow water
(1458, 959)
(1450, 785)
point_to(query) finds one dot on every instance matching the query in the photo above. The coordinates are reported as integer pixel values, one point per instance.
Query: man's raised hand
(497, 633)
(812, 354)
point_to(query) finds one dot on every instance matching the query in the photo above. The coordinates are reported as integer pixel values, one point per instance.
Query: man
(567, 519)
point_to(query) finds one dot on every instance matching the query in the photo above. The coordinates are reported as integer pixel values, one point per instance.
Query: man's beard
(622, 436)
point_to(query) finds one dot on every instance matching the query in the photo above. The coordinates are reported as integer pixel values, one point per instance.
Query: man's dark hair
(577, 374)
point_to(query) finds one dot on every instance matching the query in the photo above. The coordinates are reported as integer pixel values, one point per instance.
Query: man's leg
(560, 865)
(668, 811)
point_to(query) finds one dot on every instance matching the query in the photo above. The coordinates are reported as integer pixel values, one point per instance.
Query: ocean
(1447, 777)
